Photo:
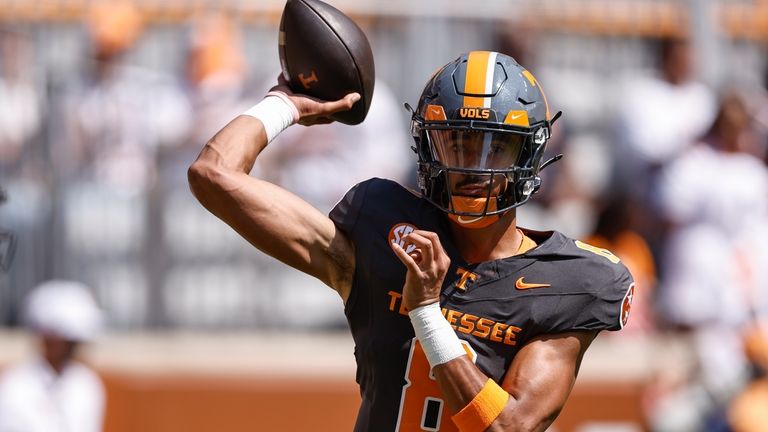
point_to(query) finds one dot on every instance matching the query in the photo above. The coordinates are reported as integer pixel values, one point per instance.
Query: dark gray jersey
(496, 307)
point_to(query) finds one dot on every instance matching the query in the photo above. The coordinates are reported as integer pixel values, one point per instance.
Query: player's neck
(496, 241)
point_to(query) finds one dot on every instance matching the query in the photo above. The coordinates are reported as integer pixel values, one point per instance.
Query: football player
(461, 320)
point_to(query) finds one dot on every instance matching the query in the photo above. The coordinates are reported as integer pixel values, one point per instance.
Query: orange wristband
(479, 414)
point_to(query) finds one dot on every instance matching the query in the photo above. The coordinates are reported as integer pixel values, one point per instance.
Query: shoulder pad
(601, 294)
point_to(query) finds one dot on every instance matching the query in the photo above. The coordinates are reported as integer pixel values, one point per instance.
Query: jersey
(495, 307)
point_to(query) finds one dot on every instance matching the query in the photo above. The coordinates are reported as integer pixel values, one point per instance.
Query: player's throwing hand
(311, 110)
(426, 270)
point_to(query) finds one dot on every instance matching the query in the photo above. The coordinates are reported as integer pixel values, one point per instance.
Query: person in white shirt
(715, 199)
(659, 117)
(53, 392)
(662, 115)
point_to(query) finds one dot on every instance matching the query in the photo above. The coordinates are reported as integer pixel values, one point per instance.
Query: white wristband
(437, 338)
(276, 112)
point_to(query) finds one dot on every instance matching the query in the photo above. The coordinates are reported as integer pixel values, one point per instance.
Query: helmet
(480, 129)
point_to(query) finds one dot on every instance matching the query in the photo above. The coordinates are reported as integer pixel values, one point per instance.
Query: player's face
(475, 150)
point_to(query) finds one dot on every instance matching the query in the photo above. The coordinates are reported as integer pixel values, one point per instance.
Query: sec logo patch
(626, 305)
(397, 233)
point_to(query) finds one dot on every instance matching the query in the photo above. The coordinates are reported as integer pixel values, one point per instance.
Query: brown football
(324, 54)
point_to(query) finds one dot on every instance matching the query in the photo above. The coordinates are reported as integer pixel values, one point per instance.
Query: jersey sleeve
(604, 306)
(347, 211)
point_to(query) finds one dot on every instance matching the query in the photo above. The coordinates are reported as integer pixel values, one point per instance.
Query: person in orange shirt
(614, 232)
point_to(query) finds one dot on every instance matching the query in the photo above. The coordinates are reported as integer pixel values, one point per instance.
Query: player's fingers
(406, 259)
(440, 257)
(343, 104)
(423, 244)
(437, 247)
(351, 99)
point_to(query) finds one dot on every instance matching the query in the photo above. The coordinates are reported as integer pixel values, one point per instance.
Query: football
(324, 54)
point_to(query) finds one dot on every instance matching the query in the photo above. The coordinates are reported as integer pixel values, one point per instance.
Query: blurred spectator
(20, 104)
(119, 118)
(761, 117)
(706, 185)
(747, 412)
(215, 62)
(23, 163)
(53, 392)
(220, 292)
(514, 38)
(121, 115)
(659, 117)
(662, 115)
(614, 232)
(716, 284)
(216, 75)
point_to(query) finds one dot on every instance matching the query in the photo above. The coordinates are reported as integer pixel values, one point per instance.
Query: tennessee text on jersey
(468, 324)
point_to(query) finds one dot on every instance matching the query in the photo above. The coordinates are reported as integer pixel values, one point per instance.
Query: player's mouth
(472, 190)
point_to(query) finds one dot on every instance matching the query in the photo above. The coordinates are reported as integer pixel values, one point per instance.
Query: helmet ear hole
(425, 153)
(436, 187)
(525, 189)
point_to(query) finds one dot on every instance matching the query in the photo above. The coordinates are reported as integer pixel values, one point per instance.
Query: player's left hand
(426, 270)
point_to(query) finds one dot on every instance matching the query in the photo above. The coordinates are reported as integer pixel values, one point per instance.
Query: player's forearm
(460, 383)
(235, 147)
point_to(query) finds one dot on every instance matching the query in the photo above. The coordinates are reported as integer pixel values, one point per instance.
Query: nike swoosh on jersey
(521, 285)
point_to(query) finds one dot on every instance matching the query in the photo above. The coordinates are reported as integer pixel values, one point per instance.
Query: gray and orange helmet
(481, 116)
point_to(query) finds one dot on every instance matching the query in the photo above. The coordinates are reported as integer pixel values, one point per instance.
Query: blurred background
(103, 106)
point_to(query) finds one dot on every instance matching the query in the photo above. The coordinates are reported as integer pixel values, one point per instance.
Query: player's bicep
(285, 227)
(540, 379)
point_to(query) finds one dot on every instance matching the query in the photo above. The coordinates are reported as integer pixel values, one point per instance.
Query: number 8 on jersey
(421, 405)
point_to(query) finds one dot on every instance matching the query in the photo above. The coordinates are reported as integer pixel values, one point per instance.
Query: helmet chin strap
(473, 205)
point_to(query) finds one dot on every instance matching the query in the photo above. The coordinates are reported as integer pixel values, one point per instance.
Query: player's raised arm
(270, 218)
